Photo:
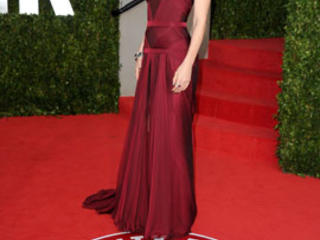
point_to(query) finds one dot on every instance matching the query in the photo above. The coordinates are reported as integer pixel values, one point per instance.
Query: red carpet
(48, 164)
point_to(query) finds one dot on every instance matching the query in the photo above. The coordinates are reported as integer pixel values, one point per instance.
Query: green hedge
(299, 101)
(247, 19)
(59, 64)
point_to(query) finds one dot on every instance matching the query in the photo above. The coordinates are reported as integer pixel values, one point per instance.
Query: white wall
(132, 27)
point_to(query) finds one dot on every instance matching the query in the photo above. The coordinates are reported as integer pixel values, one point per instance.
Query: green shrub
(247, 19)
(299, 101)
(59, 64)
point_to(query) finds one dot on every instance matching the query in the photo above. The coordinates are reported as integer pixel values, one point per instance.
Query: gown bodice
(169, 10)
(166, 25)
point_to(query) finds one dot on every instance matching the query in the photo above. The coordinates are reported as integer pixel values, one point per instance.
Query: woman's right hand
(138, 67)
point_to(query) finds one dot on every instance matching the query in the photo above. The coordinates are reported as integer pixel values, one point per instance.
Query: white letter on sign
(29, 6)
(3, 6)
(62, 7)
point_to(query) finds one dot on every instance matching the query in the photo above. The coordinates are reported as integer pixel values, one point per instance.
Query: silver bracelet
(137, 55)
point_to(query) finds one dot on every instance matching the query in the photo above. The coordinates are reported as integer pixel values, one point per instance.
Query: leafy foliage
(59, 64)
(299, 100)
(247, 19)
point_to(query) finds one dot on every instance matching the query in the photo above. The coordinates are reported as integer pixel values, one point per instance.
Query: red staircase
(236, 97)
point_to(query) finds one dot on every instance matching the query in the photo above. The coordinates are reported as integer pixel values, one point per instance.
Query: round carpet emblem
(130, 236)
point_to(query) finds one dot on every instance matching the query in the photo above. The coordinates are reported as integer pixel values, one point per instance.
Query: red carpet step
(235, 139)
(251, 111)
(237, 81)
(125, 106)
(257, 54)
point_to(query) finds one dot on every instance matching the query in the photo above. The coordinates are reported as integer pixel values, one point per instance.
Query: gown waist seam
(157, 23)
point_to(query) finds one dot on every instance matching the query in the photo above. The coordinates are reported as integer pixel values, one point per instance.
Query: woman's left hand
(182, 77)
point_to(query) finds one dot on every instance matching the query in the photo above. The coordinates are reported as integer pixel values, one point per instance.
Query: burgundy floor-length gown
(155, 192)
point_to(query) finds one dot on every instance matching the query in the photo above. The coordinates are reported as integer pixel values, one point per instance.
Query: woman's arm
(141, 44)
(201, 9)
(139, 60)
(183, 73)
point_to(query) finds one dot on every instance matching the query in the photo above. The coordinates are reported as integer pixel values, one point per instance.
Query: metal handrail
(126, 7)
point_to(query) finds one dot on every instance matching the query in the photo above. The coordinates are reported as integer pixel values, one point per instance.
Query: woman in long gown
(155, 192)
